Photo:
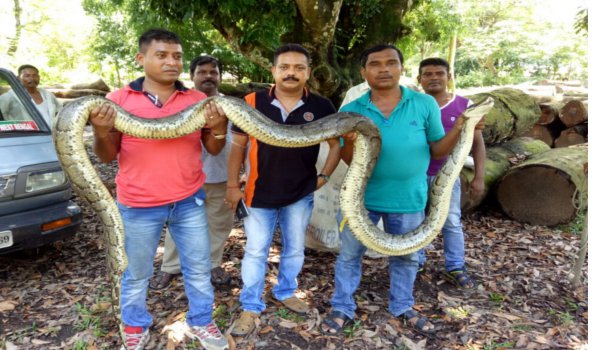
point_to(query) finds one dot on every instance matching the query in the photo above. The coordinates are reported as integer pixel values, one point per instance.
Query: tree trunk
(513, 114)
(13, 43)
(498, 159)
(573, 113)
(572, 136)
(547, 189)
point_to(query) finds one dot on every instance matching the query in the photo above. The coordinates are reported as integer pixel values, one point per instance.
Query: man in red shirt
(149, 197)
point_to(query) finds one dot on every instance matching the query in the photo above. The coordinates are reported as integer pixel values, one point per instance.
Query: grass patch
(289, 315)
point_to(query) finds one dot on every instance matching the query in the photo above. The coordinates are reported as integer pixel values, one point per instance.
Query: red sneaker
(135, 338)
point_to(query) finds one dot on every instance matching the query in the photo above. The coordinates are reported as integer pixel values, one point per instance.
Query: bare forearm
(333, 157)
(234, 162)
(213, 145)
(478, 153)
(347, 151)
(107, 147)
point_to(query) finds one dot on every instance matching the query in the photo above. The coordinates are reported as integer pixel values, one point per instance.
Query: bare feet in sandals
(334, 323)
(412, 319)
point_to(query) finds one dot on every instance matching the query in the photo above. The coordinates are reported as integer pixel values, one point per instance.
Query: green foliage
(432, 23)
(288, 315)
(581, 21)
(576, 226)
(221, 316)
(493, 345)
(352, 328)
(563, 317)
(496, 298)
(508, 44)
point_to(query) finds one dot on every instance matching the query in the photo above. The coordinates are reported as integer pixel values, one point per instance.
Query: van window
(13, 114)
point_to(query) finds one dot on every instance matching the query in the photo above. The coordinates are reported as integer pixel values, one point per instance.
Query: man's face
(207, 78)
(162, 61)
(291, 71)
(30, 78)
(382, 69)
(433, 79)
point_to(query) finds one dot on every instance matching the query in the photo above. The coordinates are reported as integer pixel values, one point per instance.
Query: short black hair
(157, 34)
(291, 48)
(26, 66)
(434, 61)
(204, 59)
(377, 48)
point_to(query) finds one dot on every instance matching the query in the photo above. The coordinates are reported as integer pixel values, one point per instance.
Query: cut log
(574, 112)
(547, 189)
(549, 112)
(95, 85)
(241, 90)
(543, 133)
(572, 136)
(77, 93)
(513, 114)
(498, 160)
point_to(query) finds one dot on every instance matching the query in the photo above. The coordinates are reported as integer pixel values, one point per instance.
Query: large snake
(68, 139)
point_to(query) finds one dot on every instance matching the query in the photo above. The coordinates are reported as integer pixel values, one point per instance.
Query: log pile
(547, 189)
(561, 124)
(514, 113)
(499, 159)
(525, 177)
(68, 92)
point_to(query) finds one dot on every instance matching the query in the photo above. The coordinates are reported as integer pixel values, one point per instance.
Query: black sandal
(419, 325)
(460, 278)
(334, 326)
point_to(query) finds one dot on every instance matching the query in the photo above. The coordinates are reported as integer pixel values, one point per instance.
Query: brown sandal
(161, 280)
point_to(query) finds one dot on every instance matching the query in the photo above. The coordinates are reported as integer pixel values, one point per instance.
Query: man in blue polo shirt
(412, 133)
(280, 185)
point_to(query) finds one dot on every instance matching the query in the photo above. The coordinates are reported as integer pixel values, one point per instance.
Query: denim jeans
(187, 223)
(259, 227)
(454, 238)
(402, 269)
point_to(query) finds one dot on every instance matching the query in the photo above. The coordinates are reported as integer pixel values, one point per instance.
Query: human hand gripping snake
(68, 139)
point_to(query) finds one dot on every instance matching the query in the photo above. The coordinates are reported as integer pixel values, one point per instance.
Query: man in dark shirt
(280, 185)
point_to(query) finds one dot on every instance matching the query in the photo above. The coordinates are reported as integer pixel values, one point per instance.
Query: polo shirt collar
(272, 96)
(407, 94)
(137, 85)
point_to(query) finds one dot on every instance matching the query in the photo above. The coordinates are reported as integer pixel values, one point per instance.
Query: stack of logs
(67, 93)
(561, 124)
(531, 181)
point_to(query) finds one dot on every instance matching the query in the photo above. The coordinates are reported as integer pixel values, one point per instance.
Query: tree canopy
(334, 31)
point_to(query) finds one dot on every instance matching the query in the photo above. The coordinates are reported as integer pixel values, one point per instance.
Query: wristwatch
(324, 177)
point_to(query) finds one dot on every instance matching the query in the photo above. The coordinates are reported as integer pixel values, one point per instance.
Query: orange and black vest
(279, 176)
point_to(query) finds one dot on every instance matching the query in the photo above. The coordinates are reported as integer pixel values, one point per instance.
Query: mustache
(209, 81)
(291, 77)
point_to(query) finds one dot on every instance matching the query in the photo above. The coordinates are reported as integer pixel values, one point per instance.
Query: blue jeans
(188, 226)
(260, 226)
(454, 238)
(402, 269)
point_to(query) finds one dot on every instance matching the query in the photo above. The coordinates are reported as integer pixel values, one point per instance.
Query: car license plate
(6, 239)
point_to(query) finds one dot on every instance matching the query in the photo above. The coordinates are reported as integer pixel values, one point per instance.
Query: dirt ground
(58, 297)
